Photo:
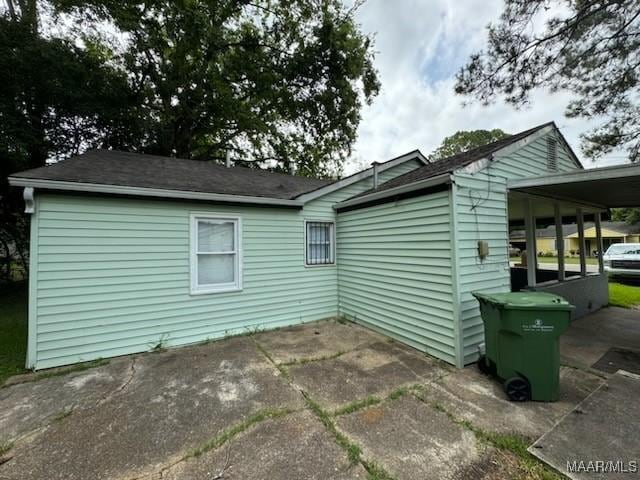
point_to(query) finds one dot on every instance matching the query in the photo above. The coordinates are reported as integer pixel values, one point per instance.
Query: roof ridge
(524, 133)
(453, 162)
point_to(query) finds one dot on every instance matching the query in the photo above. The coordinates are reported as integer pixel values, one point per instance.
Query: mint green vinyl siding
(394, 271)
(489, 221)
(113, 277)
(110, 275)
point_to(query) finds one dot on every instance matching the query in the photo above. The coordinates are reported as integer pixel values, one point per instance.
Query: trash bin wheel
(517, 389)
(485, 366)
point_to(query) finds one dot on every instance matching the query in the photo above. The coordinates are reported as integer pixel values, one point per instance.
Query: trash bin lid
(525, 300)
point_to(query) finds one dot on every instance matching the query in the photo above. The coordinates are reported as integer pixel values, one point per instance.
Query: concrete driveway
(319, 401)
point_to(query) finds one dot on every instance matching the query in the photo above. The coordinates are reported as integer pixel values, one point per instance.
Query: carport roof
(607, 187)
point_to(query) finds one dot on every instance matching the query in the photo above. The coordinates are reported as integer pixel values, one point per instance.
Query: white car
(623, 260)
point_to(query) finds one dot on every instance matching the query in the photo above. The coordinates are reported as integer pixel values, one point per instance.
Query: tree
(56, 99)
(277, 83)
(590, 48)
(629, 215)
(465, 140)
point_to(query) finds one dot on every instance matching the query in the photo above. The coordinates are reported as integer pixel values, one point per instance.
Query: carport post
(599, 243)
(583, 244)
(530, 232)
(559, 241)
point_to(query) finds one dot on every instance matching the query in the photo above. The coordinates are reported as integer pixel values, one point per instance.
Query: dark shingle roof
(449, 164)
(112, 167)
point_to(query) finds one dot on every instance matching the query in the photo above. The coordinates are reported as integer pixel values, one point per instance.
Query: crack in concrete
(122, 387)
(305, 360)
(340, 437)
(220, 440)
(236, 429)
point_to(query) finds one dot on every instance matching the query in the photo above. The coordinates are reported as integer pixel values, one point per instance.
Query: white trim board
(392, 192)
(194, 287)
(590, 174)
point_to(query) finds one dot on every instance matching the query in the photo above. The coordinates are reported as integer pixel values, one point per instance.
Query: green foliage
(13, 330)
(230, 433)
(591, 49)
(5, 447)
(56, 99)
(352, 450)
(629, 215)
(626, 296)
(376, 472)
(463, 141)
(277, 83)
(398, 393)
(303, 361)
(357, 405)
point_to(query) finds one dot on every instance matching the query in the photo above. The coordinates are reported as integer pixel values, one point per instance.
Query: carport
(563, 198)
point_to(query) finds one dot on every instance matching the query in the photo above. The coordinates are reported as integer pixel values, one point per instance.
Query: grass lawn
(621, 295)
(13, 329)
(567, 260)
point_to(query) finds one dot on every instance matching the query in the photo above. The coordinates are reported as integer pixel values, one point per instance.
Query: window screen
(320, 249)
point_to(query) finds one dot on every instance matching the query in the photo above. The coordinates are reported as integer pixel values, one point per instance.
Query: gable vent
(552, 154)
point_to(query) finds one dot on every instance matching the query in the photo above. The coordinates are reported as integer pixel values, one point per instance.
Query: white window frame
(333, 243)
(195, 288)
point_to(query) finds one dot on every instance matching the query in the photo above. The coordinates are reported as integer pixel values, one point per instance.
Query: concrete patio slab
(315, 340)
(412, 440)
(376, 369)
(612, 411)
(142, 416)
(29, 406)
(590, 337)
(470, 395)
(172, 402)
(294, 447)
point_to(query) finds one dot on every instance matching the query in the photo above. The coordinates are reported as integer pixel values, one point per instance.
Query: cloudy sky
(420, 46)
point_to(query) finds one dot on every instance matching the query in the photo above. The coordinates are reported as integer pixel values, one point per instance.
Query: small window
(320, 243)
(552, 154)
(215, 254)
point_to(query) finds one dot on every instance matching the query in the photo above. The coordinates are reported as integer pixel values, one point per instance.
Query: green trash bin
(522, 332)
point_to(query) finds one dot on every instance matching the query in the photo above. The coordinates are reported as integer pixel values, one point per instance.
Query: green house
(132, 251)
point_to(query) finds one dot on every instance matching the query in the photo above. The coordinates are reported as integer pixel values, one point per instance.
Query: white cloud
(421, 45)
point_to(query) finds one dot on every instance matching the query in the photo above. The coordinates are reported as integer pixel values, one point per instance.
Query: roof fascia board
(392, 192)
(604, 173)
(596, 207)
(568, 148)
(148, 192)
(345, 182)
(480, 164)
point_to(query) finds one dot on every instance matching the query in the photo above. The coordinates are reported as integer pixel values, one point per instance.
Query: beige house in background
(612, 232)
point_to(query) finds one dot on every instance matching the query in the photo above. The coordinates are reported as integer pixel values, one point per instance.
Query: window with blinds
(320, 243)
(215, 254)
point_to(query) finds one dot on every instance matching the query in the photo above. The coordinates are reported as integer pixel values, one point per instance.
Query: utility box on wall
(483, 249)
